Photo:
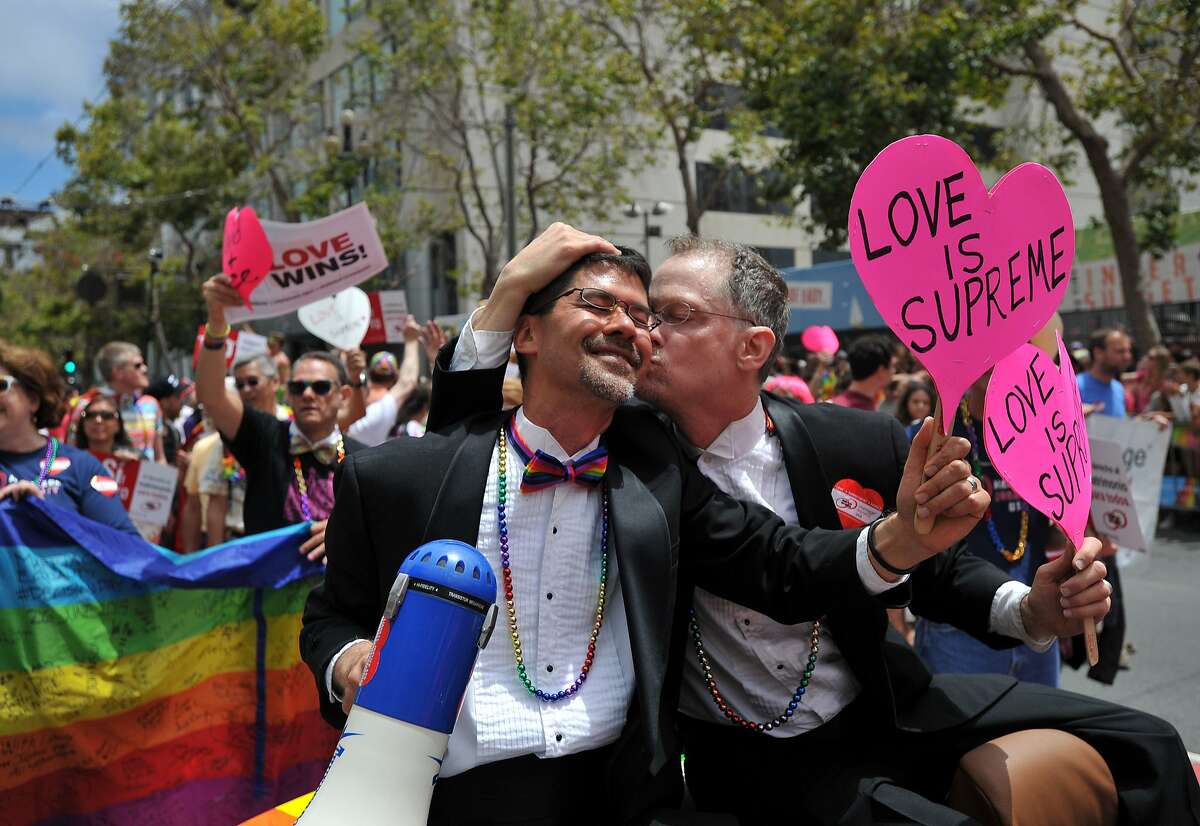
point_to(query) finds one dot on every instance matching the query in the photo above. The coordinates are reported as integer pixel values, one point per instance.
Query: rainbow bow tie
(544, 471)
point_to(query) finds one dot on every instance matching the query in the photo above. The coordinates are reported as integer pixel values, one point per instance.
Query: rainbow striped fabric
(543, 470)
(139, 686)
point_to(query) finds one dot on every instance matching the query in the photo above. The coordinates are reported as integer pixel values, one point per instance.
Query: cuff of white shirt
(333, 697)
(871, 580)
(1005, 617)
(480, 349)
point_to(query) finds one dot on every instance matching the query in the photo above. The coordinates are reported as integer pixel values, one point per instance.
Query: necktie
(544, 471)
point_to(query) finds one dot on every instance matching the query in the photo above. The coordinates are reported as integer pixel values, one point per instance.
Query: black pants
(859, 772)
(525, 790)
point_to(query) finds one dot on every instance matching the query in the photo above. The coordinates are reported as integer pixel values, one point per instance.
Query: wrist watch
(362, 379)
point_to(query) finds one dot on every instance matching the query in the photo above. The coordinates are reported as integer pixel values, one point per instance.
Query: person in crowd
(791, 386)
(594, 563)
(354, 363)
(171, 392)
(31, 464)
(388, 387)
(414, 413)
(861, 726)
(256, 380)
(872, 365)
(279, 358)
(101, 430)
(1100, 388)
(914, 404)
(1012, 536)
(123, 370)
(288, 465)
(1151, 373)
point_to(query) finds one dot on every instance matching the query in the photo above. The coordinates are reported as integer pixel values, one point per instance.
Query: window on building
(827, 256)
(337, 15)
(733, 189)
(340, 88)
(778, 257)
(443, 261)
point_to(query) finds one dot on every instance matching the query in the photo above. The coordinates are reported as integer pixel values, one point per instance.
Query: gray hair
(265, 365)
(113, 355)
(755, 288)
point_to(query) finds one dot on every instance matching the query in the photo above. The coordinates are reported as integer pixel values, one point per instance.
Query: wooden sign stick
(1090, 643)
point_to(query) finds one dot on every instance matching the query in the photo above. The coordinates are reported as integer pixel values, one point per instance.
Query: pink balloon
(1036, 436)
(820, 339)
(246, 253)
(962, 275)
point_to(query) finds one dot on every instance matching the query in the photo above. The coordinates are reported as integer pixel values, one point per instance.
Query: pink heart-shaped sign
(962, 275)
(246, 253)
(820, 339)
(1036, 436)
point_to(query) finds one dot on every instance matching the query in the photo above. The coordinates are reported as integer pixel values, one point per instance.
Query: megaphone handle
(924, 525)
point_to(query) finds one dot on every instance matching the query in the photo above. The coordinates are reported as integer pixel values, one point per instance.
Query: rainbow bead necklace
(502, 525)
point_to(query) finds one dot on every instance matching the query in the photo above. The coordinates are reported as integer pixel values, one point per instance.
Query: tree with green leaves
(843, 80)
(205, 109)
(454, 77)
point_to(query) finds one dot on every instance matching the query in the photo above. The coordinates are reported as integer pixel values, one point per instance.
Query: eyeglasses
(137, 365)
(321, 387)
(598, 299)
(677, 312)
(7, 383)
(252, 382)
(99, 416)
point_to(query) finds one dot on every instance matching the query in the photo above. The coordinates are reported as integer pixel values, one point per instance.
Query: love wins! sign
(962, 275)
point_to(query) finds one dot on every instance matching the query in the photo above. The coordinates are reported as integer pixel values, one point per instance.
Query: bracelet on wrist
(218, 334)
(214, 344)
(878, 557)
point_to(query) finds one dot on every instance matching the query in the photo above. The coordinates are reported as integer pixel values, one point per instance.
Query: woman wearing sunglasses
(31, 464)
(102, 431)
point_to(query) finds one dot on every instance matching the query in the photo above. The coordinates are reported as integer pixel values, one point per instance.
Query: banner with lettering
(314, 260)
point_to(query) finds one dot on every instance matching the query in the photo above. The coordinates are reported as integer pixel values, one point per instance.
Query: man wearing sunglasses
(591, 515)
(126, 379)
(288, 465)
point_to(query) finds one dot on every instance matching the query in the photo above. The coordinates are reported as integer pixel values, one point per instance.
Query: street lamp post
(345, 151)
(633, 210)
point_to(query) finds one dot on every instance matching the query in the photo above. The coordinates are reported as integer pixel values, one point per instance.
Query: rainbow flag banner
(139, 686)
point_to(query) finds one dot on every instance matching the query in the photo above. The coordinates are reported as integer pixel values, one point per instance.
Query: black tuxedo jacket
(668, 524)
(823, 444)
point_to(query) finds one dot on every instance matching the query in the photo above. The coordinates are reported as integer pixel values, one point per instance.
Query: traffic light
(69, 366)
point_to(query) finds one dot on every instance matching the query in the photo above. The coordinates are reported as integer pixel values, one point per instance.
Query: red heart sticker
(856, 506)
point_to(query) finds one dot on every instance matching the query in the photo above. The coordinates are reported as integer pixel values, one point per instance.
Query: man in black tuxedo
(582, 340)
(881, 738)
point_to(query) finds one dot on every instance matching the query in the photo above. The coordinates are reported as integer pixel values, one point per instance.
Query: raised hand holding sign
(1036, 437)
(245, 253)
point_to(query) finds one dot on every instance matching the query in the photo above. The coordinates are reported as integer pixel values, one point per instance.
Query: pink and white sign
(1036, 435)
(389, 314)
(820, 339)
(962, 275)
(246, 253)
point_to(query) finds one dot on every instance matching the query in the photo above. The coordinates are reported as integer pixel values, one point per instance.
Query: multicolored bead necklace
(502, 525)
(711, 682)
(302, 486)
(977, 469)
(47, 462)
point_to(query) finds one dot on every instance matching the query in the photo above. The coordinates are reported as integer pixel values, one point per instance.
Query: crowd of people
(694, 583)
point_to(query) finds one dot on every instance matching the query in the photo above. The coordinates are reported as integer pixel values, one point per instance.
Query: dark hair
(35, 371)
(902, 405)
(328, 358)
(1098, 340)
(541, 302)
(756, 289)
(1192, 368)
(121, 439)
(868, 354)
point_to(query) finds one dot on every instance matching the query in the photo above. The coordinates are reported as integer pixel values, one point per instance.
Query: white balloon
(341, 319)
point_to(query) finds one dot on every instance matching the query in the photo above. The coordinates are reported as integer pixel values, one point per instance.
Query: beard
(602, 380)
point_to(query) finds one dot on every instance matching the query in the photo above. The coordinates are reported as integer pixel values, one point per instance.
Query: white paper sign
(393, 305)
(341, 319)
(249, 345)
(314, 260)
(1143, 449)
(153, 493)
(1114, 512)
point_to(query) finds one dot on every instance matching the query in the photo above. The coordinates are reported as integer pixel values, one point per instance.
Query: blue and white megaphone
(439, 614)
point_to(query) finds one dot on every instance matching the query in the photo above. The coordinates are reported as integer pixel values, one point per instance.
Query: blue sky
(53, 55)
